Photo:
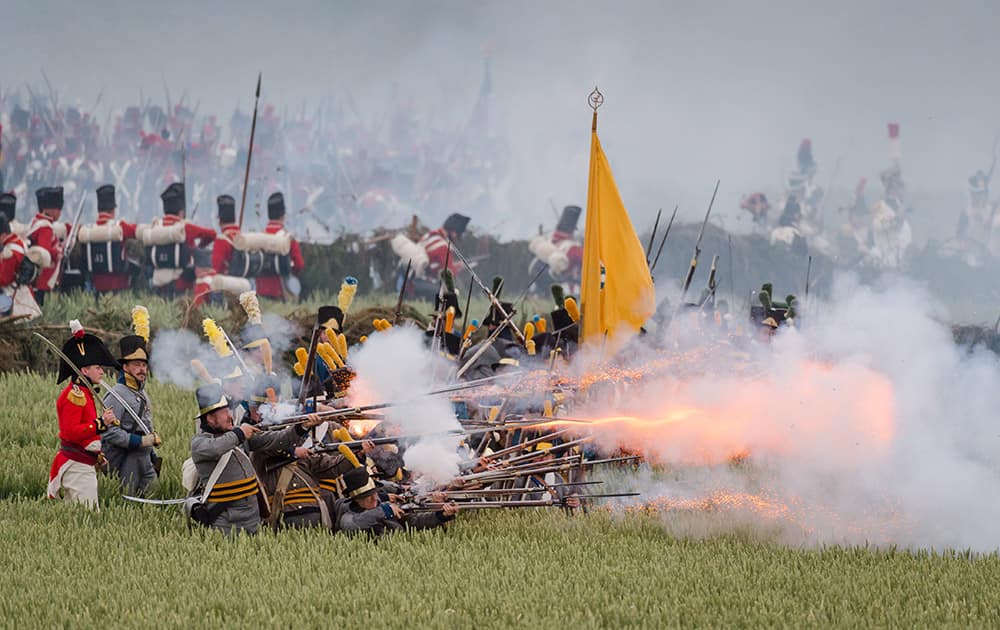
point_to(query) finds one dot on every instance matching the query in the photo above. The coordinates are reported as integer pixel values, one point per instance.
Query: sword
(93, 392)
(155, 501)
(83, 379)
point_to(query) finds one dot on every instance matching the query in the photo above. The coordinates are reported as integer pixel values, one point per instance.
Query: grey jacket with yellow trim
(127, 458)
(236, 487)
(314, 477)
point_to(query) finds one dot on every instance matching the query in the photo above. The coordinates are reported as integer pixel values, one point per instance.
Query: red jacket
(270, 286)
(77, 429)
(435, 243)
(194, 236)
(13, 248)
(222, 248)
(40, 234)
(113, 281)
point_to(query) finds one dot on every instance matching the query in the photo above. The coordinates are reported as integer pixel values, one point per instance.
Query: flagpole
(595, 99)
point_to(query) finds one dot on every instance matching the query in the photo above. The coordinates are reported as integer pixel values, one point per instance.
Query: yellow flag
(617, 294)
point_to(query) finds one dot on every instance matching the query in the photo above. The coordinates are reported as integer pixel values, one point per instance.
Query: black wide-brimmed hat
(358, 483)
(330, 317)
(84, 349)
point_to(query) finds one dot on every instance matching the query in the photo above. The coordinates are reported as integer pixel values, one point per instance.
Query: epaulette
(76, 396)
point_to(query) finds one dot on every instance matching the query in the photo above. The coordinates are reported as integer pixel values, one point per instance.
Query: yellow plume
(300, 368)
(302, 355)
(346, 296)
(341, 434)
(529, 330)
(530, 345)
(216, 337)
(349, 455)
(449, 319)
(341, 346)
(250, 304)
(541, 325)
(363, 338)
(468, 331)
(140, 322)
(572, 309)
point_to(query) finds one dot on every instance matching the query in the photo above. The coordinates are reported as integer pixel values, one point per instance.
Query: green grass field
(133, 565)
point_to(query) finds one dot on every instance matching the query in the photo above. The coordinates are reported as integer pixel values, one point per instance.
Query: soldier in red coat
(273, 286)
(435, 243)
(173, 268)
(42, 234)
(104, 245)
(12, 250)
(222, 248)
(73, 476)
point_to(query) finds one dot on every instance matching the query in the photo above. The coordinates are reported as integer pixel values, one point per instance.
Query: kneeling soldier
(228, 495)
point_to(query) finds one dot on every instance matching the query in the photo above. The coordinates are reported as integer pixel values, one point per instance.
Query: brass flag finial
(596, 99)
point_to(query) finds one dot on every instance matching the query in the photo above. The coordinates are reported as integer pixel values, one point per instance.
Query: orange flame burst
(820, 411)
(361, 428)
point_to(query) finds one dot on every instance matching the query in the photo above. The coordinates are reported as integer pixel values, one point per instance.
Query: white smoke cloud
(865, 425)
(171, 352)
(395, 366)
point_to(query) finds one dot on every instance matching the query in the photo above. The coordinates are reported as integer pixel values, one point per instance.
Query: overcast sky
(694, 90)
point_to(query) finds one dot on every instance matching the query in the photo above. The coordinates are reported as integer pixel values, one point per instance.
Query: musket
(808, 271)
(732, 279)
(663, 240)
(489, 294)
(236, 351)
(310, 364)
(652, 235)
(711, 283)
(402, 292)
(347, 411)
(253, 130)
(485, 344)
(523, 445)
(697, 247)
(465, 318)
(524, 503)
(558, 447)
(334, 446)
(71, 237)
(488, 492)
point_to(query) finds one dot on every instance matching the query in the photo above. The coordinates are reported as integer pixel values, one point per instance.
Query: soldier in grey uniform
(228, 495)
(362, 510)
(129, 447)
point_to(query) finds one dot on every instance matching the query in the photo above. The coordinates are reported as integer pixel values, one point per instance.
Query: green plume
(558, 295)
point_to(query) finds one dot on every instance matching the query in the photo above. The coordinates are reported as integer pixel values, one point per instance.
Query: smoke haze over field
(695, 91)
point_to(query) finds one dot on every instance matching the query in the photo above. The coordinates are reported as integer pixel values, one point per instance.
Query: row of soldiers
(178, 256)
(244, 473)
